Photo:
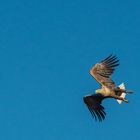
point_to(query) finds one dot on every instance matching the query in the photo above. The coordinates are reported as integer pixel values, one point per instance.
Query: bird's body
(110, 93)
(102, 72)
(105, 91)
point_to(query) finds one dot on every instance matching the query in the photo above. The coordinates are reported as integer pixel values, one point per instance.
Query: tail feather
(122, 86)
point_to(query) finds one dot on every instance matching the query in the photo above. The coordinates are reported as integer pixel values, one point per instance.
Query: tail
(122, 86)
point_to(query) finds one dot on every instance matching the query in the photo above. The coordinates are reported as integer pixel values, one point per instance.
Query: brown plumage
(102, 72)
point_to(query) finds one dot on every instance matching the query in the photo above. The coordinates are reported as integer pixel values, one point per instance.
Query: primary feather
(93, 103)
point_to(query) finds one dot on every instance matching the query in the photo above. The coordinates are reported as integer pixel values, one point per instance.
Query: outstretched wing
(93, 103)
(103, 70)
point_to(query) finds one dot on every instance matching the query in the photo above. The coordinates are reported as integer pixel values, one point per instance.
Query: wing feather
(93, 103)
(103, 70)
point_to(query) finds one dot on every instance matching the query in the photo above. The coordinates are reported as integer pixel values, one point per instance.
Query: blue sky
(46, 51)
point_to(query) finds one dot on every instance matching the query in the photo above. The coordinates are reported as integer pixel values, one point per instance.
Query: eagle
(102, 72)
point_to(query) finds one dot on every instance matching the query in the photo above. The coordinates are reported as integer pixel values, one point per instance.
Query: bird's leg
(117, 89)
(126, 91)
(120, 98)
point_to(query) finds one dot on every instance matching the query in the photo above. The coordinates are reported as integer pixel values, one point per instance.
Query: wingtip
(111, 57)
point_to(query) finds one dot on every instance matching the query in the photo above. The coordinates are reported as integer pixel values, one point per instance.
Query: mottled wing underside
(103, 70)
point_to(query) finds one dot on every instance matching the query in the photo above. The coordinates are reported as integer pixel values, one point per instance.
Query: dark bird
(102, 72)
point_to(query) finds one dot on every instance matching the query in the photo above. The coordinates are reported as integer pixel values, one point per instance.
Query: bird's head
(98, 91)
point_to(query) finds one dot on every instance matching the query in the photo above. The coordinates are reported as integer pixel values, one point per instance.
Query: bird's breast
(108, 91)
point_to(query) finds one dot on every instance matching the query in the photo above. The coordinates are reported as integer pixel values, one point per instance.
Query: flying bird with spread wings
(102, 72)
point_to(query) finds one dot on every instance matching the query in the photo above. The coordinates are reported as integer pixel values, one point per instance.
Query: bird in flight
(102, 72)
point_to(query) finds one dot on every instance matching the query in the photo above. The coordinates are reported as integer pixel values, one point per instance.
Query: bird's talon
(125, 100)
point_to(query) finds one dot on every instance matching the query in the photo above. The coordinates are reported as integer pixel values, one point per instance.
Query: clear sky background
(46, 50)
